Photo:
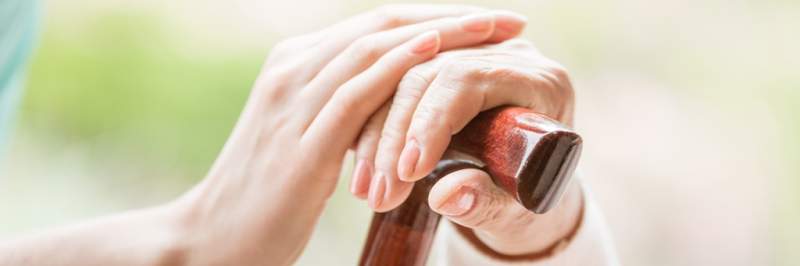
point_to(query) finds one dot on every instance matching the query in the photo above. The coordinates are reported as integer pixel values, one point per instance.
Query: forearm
(193, 229)
(142, 237)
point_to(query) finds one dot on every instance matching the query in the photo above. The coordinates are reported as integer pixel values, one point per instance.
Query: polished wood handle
(527, 154)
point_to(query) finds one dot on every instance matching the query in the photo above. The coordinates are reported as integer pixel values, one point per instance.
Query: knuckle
(490, 214)
(365, 48)
(480, 71)
(427, 113)
(474, 74)
(464, 70)
(345, 108)
(521, 218)
(273, 95)
(415, 76)
(559, 71)
(429, 118)
(274, 84)
(391, 132)
(412, 85)
(557, 78)
(279, 74)
(406, 101)
(501, 73)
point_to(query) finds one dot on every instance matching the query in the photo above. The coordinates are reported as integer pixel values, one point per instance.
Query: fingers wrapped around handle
(470, 199)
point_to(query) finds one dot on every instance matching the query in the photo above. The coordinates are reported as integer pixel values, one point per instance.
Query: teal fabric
(18, 23)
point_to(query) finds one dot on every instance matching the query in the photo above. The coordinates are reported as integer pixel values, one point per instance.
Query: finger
(409, 92)
(455, 32)
(508, 25)
(470, 198)
(324, 45)
(458, 93)
(385, 18)
(392, 137)
(365, 152)
(353, 103)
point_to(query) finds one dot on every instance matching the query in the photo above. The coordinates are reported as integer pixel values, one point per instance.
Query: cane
(528, 155)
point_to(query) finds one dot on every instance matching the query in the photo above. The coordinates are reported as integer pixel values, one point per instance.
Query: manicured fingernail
(408, 160)
(508, 23)
(425, 42)
(376, 190)
(503, 16)
(360, 184)
(477, 22)
(458, 203)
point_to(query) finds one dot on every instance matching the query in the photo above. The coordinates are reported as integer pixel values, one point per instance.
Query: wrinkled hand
(405, 139)
(260, 200)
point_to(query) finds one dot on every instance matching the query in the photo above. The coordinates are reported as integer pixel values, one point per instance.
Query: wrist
(171, 247)
(195, 228)
(195, 236)
(220, 210)
(546, 233)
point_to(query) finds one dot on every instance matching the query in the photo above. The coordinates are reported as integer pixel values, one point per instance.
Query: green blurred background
(689, 110)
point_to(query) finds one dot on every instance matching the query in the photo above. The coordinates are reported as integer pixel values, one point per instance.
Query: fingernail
(477, 22)
(458, 203)
(376, 190)
(408, 160)
(361, 175)
(508, 23)
(426, 42)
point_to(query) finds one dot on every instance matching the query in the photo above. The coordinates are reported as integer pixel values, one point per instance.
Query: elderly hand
(405, 139)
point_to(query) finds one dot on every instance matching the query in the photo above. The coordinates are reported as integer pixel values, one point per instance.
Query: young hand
(264, 193)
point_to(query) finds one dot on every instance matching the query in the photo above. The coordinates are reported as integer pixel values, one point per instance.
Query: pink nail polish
(477, 22)
(426, 42)
(458, 203)
(508, 24)
(361, 178)
(408, 160)
(377, 190)
(504, 16)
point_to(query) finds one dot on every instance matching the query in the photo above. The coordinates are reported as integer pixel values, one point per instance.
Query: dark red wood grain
(527, 154)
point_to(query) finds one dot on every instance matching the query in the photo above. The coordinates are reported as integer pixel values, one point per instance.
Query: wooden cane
(527, 154)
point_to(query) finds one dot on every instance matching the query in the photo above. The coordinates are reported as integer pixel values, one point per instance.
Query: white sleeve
(591, 244)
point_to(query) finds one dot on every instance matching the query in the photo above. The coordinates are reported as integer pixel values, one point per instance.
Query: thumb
(470, 198)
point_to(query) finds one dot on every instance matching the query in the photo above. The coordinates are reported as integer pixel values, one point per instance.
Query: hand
(407, 137)
(264, 193)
